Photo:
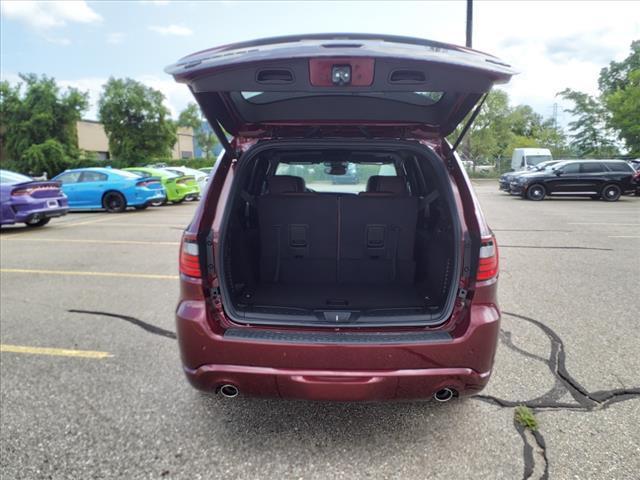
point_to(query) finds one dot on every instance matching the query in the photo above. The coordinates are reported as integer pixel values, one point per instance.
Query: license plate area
(52, 203)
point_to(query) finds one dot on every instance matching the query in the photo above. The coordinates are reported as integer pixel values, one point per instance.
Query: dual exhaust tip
(443, 395)
(228, 391)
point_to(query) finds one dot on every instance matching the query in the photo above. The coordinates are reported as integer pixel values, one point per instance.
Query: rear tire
(114, 202)
(536, 192)
(611, 193)
(37, 223)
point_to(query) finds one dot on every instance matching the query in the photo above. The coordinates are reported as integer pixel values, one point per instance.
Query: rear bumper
(146, 197)
(340, 372)
(337, 385)
(27, 215)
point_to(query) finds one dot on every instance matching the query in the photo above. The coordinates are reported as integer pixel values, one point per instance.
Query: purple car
(24, 200)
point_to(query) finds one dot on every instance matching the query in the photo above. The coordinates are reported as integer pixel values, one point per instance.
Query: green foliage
(615, 110)
(136, 121)
(589, 132)
(171, 162)
(620, 87)
(38, 123)
(191, 117)
(525, 417)
(499, 128)
(624, 106)
(618, 74)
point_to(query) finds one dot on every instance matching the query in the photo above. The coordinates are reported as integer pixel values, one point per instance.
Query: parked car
(200, 177)
(110, 189)
(525, 158)
(504, 183)
(605, 179)
(34, 203)
(178, 187)
(386, 294)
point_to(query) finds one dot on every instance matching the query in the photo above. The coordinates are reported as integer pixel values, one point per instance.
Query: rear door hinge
(462, 294)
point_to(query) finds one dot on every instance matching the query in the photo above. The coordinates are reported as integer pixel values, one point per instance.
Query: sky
(553, 45)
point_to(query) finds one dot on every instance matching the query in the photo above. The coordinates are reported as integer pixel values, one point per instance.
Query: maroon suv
(297, 284)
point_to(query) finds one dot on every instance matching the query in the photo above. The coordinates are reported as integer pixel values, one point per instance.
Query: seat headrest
(385, 184)
(285, 184)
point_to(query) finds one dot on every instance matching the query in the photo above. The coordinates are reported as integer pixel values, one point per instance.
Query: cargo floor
(337, 296)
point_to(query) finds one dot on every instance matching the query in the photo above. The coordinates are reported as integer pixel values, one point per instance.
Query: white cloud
(115, 37)
(178, 30)
(46, 15)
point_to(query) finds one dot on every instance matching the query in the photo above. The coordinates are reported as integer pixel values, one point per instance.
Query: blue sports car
(109, 188)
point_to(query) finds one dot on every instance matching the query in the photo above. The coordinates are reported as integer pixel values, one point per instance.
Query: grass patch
(525, 417)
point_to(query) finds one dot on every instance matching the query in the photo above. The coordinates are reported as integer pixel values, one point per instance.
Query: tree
(620, 88)
(38, 125)
(191, 117)
(617, 75)
(589, 132)
(136, 121)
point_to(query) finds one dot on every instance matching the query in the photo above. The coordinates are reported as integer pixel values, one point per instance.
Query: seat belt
(427, 201)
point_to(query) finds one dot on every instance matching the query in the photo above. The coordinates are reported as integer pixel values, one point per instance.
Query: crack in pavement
(534, 444)
(564, 382)
(139, 323)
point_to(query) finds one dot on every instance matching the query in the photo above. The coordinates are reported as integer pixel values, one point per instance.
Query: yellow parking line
(89, 274)
(60, 352)
(87, 240)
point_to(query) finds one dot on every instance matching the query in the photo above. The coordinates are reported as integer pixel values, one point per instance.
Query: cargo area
(340, 235)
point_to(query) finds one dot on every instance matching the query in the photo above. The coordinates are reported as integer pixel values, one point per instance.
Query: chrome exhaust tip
(444, 395)
(229, 391)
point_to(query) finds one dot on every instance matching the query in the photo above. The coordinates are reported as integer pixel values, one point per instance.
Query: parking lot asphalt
(113, 403)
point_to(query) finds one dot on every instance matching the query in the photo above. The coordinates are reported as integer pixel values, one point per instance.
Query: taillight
(146, 183)
(18, 192)
(189, 256)
(488, 265)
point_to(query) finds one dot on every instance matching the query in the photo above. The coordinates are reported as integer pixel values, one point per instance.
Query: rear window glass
(414, 98)
(620, 167)
(127, 174)
(318, 177)
(592, 167)
(11, 178)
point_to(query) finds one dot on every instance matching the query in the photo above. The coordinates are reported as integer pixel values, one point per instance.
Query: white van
(525, 158)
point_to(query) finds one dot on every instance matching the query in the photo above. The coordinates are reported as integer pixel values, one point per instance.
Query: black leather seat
(298, 233)
(377, 233)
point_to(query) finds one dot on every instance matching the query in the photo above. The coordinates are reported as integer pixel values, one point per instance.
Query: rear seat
(328, 238)
(377, 233)
(298, 240)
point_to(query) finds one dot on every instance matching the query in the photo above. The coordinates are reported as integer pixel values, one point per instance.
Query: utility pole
(469, 42)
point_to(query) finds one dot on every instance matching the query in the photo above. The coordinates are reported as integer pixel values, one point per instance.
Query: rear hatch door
(282, 86)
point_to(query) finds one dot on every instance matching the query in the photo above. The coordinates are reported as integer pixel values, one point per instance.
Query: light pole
(469, 42)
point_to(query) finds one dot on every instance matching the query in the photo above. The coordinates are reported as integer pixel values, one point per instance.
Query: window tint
(318, 178)
(620, 167)
(570, 168)
(591, 167)
(71, 177)
(93, 177)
